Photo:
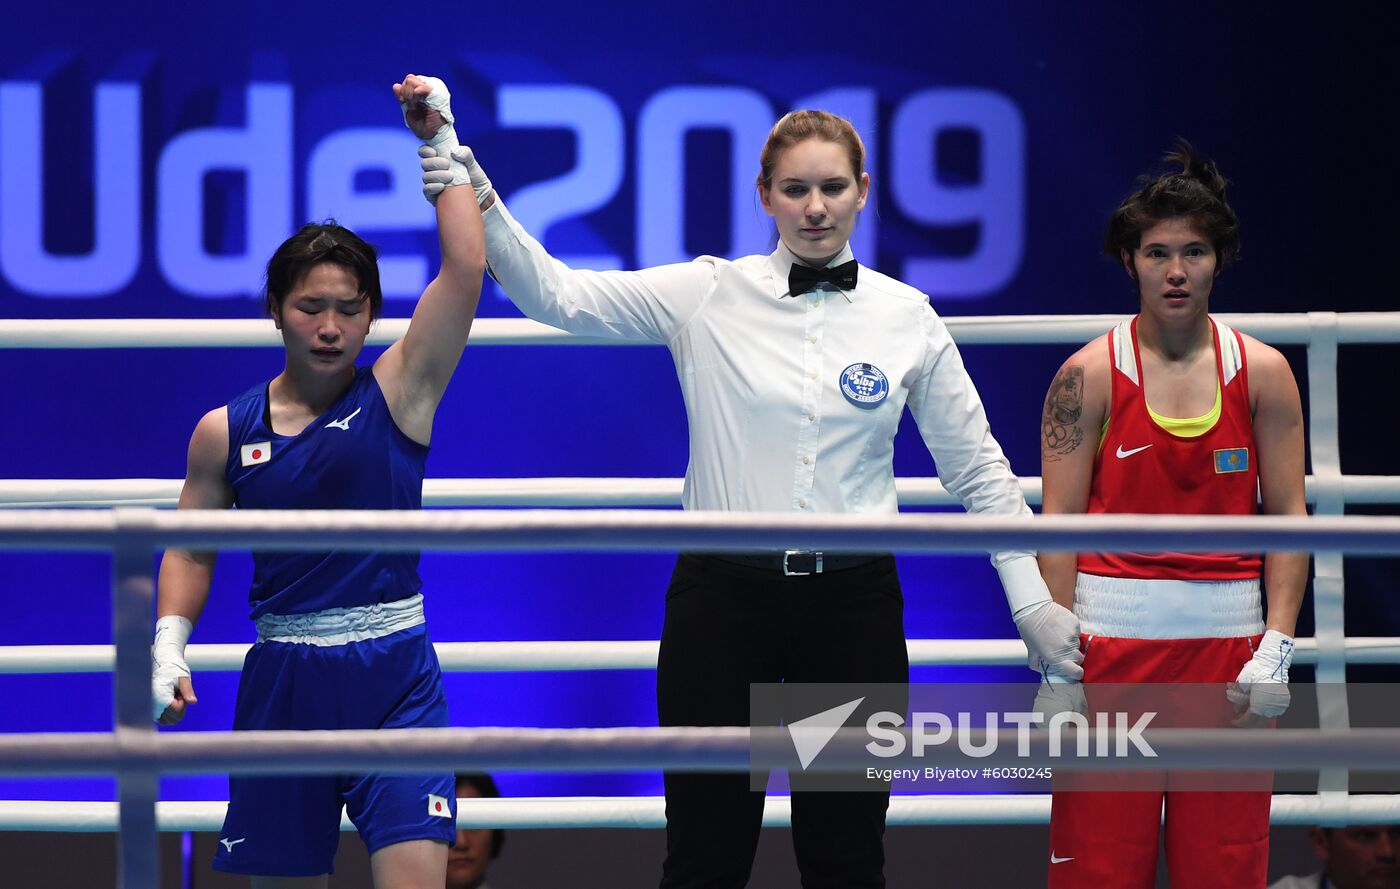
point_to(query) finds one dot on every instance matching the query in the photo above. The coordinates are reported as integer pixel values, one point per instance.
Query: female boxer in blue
(341, 640)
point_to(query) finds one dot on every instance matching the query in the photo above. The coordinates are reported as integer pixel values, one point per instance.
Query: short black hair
(486, 786)
(315, 243)
(1196, 193)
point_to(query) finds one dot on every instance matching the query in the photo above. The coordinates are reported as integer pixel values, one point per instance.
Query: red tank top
(1142, 468)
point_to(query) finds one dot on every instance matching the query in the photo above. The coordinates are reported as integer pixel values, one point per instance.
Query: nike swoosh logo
(1122, 453)
(229, 844)
(343, 424)
(1056, 860)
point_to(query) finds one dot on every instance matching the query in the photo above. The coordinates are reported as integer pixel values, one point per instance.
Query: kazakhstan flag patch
(1231, 460)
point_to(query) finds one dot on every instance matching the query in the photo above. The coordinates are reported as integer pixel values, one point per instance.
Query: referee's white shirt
(760, 371)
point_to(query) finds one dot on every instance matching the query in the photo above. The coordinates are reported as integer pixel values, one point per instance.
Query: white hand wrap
(1051, 634)
(456, 165)
(168, 660)
(1262, 685)
(438, 99)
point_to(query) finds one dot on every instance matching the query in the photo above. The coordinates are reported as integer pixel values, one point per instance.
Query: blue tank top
(354, 456)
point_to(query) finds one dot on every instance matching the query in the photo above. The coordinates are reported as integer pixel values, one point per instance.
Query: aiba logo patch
(864, 385)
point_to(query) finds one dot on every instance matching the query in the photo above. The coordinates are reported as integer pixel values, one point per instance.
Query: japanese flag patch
(257, 452)
(437, 805)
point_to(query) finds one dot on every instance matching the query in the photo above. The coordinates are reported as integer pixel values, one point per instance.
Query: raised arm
(650, 305)
(414, 372)
(1262, 685)
(1070, 422)
(183, 585)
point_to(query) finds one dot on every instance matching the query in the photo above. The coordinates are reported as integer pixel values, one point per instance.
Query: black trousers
(728, 626)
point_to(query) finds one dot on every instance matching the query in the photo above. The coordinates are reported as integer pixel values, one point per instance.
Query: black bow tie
(802, 278)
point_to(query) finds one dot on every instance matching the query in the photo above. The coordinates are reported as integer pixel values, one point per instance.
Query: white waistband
(1130, 608)
(337, 626)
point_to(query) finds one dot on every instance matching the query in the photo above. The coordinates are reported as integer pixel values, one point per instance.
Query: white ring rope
(651, 530)
(548, 492)
(150, 333)
(627, 749)
(649, 812)
(566, 656)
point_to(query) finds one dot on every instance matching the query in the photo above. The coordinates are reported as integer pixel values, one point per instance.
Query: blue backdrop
(150, 159)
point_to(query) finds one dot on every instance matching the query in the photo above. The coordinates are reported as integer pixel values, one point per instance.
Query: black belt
(798, 563)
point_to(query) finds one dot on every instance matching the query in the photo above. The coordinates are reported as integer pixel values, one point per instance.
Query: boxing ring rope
(651, 748)
(157, 333)
(566, 656)
(649, 812)
(563, 492)
(133, 534)
(620, 530)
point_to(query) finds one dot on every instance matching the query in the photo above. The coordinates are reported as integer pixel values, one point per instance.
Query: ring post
(133, 623)
(1329, 615)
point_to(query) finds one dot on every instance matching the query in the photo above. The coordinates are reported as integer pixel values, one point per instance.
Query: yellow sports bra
(1194, 426)
(1191, 427)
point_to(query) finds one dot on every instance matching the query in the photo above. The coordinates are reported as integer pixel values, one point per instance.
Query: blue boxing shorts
(337, 674)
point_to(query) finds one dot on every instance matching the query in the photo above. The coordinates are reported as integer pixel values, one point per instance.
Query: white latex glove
(1051, 634)
(1057, 695)
(1262, 686)
(458, 169)
(168, 666)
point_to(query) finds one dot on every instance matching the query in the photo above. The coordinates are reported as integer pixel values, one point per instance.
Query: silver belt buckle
(816, 558)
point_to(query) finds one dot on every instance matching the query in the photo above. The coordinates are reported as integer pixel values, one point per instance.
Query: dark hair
(799, 126)
(319, 242)
(486, 786)
(1196, 193)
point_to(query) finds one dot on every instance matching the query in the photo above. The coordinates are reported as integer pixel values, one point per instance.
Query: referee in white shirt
(795, 368)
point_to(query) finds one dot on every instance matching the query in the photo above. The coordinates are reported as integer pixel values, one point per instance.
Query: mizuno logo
(1122, 453)
(229, 844)
(1054, 859)
(343, 424)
